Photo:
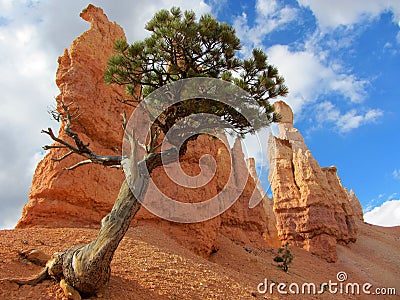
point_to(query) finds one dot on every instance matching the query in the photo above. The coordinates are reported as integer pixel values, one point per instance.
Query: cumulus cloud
(270, 15)
(309, 78)
(334, 13)
(388, 214)
(28, 88)
(344, 122)
(396, 174)
(352, 120)
(311, 69)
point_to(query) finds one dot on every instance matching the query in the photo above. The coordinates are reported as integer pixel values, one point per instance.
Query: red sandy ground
(150, 265)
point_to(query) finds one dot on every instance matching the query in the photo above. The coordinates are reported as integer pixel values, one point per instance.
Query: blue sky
(340, 60)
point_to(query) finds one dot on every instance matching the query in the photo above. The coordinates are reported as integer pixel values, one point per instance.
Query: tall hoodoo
(270, 232)
(81, 197)
(312, 208)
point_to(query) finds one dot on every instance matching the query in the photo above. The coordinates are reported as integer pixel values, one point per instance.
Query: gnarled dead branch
(78, 146)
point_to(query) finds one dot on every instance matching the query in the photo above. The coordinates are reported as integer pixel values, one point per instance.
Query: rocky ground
(151, 265)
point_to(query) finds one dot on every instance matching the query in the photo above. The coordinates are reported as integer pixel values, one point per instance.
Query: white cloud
(396, 174)
(267, 8)
(28, 88)
(388, 214)
(309, 78)
(270, 15)
(327, 112)
(217, 5)
(349, 121)
(311, 71)
(255, 146)
(344, 122)
(5, 6)
(335, 13)
(352, 120)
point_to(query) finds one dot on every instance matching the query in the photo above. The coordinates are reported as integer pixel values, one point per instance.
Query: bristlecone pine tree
(179, 47)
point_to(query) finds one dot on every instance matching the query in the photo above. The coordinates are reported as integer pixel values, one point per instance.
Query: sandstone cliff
(356, 206)
(270, 232)
(312, 208)
(251, 226)
(81, 197)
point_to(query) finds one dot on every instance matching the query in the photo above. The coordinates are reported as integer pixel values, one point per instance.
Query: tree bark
(86, 268)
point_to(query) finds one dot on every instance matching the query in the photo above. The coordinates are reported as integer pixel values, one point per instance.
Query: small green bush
(284, 257)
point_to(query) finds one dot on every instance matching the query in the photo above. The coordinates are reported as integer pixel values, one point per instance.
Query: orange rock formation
(311, 206)
(356, 206)
(81, 197)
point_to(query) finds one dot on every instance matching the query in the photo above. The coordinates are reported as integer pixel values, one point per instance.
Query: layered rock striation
(244, 225)
(312, 208)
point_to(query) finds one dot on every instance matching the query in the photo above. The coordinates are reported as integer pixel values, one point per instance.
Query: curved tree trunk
(86, 268)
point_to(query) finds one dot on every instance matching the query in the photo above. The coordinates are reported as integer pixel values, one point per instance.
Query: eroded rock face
(312, 208)
(82, 197)
(270, 232)
(202, 237)
(247, 226)
(356, 206)
(239, 222)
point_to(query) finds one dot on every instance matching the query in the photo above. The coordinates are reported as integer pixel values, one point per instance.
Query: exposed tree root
(35, 256)
(52, 270)
(38, 258)
(69, 291)
(43, 275)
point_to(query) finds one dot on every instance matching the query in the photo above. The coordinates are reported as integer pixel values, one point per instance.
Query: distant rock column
(311, 206)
